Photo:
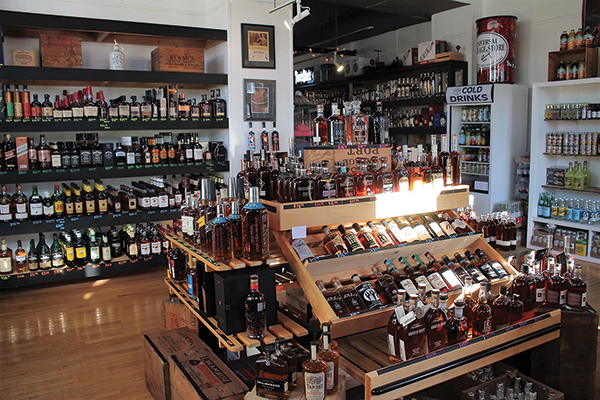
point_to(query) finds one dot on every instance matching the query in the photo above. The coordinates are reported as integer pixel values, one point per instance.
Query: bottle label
(57, 114)
(451, 278)
(145, 249)
(314, 386)
(163, 201)
(369, 295)
(79, 207)
(409, 286)
(436, 228)
(156, 247)
(154, 201)
(90, 206)
(106, 253)
(302, 249)
(80, 252)
(540, 295)
(371, 243)
(133, 249)
(445, 225)
(6, 265)
(90, 111)
(422, 280)
(562, 299)
(58, 260)
(576, 300)
(35, 209)
(503, 243)
(5, 214)
(123, 110)
(391, 346)
(330, 375)
(271, 386)
(77, 112)
(436, 281)
(102, 205)
(45, 261)
(67, 114)
(70, 253)
(402, 349)
(353, 243)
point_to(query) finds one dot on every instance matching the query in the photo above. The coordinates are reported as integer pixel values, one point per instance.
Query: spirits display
(349, 296)
(331, 358)
(315, 375)
(255, 228)
(255, 311)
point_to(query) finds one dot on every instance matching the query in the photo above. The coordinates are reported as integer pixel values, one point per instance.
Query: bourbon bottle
(271, 375)
(349, 296)
(319, 125)
(482, 314)
(556, 289)
(384, 179)
(255, 311)
(365, 236)
(367, 293)
(315, 375)
(291, 359)
(402, 281)
(576, 290)
(333, 243)
(436, 323)
(255, 228)
(332, 358)
(399, 311)
(334, 299)
(222, 236)
(380, 236)
(411, 332)
(350, 239)
(501, 310)
(458, 328)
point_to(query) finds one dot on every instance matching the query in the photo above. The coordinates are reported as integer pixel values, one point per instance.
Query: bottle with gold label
(77, 199)
(102, 198)
(569, 177)
(89, 199)
(6, 259)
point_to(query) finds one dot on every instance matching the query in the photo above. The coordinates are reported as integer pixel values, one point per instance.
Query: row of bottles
(499, 230)
(86, 151)
(472, 135)
(69, 200)
(424, 85)
(516, 388)
(361, 295)
(572, 143)
(156, 103)
(579, 210)
(78, 248)
(415, 118)
(576, 39)
(572, 70)
(268, 141)
(572, 111)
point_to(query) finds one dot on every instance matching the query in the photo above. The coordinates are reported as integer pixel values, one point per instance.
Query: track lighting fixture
(301, 13)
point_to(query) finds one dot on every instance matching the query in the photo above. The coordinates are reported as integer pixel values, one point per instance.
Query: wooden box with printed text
(180, 59)
(347, 154)
(60, 51)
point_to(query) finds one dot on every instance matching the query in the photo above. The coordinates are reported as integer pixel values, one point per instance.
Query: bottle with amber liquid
(255, 228)
(391, 233)
(291, 359)
(6, 259)
(6, 212)
(436, 321)
(401, 279)
(458, 327)
(501, 309)
(222, 237)
(364, 179)
(319, 127)
(255, 307)
(334, 299)
(365, 236)
(315, 375)
(219, 106)
(20, 204)
(385, 285)
(333, 243)
(271, 375)
(367, 293)
(482, 314)
(349, 296)
(411, 334)
(445, 162)
(576, 290)
(384, 179)
(455, 161)
(20, 258)
(350, 238)
(344, 182)
(43, 154)
(332, 358)
(556, 289)
(89, 198)
(101, 197)
(235, 220)
(78, 202)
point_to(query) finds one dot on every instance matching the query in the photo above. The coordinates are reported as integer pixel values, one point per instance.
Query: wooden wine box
(590, 54)
(180, 59)
(60, 51)
(284, 216)
(347, 154)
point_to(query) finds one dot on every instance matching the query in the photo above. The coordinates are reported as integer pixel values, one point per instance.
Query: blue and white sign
(304, 76)
(470, 94)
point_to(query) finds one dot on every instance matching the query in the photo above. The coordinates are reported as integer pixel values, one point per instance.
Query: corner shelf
(56, 275)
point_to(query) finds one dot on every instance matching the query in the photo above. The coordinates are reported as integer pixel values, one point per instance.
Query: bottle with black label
(43, 253)
(367, 293)
(58, 258)
(271, 375)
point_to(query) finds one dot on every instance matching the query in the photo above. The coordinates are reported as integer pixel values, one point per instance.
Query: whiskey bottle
(271, 375)
(482, 314)
(419, 229)
(105, 249)
(392, 329)
(219, 106)
(524, 286)
(255, 307)
(20, 258)
(47, 206)
(43, 252)
(364, 179)
(475, 274)
(290, 358)
(402, 281)
(385, 285)
(319, 127)
(344, 182)
(380, 236)
(43, 154)
(576, 290)
(458, 327)
(6, 259)
(302, 186)
(407, 233)
(455, 161)
(349, 296)
(335, 127)
(392, 232)
(32, 257)
(264, 138)
(495, 265)
(334, 299)
(332, 359)
(327, 187)
(415, 275)
(516, 309)
(501, 310)
(333, 243)
(367, 293)
(436, 323)
(36, 211)
(326, 328)
(9, 150)
(265, 182)
(315, 375)
(539, 281)
(58, 258)
(274, 139)
(222, 236)
(556, 289)
(235, 220)
(365, 237)
(21, 207)
(458, 271)
(484, 267)
(411, 332)
(6, 212)
(449, 275)
(255, 228)
(351, 240)
(360, 124)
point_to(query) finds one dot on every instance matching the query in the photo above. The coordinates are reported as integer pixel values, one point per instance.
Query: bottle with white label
(332, 358)
(397, 314)
(576, 290)
(556, 289)
(271, 375)
(315, 375)
(6, 259)
(6, 214)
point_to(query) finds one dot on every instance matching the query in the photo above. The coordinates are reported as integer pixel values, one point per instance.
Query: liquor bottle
(576, 290)
(384, 179)
(6, 259)
(418, 228)
(58, 203)
(255, 307)
(484, 267)
(351, 240)
(380, 236)
(349, 296)
(264, 138)
(255, 228)
(401, 279)
(447, 272)
(222, 236)
(364, 179)
(21, 206)
(445, 161)
(131, 244)
(90, 109)
(47, 206)
(412, 332)
(458, 271)
(434, 227)
(266, 189)
(36, 211)
(43, 154)
(235, 220)
(399, 312)
(32, 257)
(17, 103)
(68, 250)
(6, 212)
(516, 309)
(501, 309)
(9, 150)
(335, 127)
(344, 182)
(315, 375)
(32, 155)
(401, 174)
(332, 359)
(89, 199)
(143, 242)
(406, 232)
(94, 255)
(57, 256)
(47, 108)
(495, 265)
(431, 274)
(334, 299)
(333, 243)
(251, 137)
(219, 106)
(556, 289)
(475, 274)
(455, 161)
(367, 293)
(319, 127)
(365, 236)
(458, 327)
(392, 232)
(360, 124)
(20, 262)
(101, 105)
(105, 249)
(290, 358)
(482, 314)
(385, 285)
(36, 108)
(43, 253)
(271, 375)
(524, 286)
(436, 321)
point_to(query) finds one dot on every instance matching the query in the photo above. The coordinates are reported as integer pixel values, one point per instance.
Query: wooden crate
(347, 154)
(365, 357)
(447, 56)
(24, 58)
(176, 315)
(360, 263)
(589, 53)
(158, 347)
(60, 51)
(180, 59)
(284, 216)
(202, 375)
(490, 387)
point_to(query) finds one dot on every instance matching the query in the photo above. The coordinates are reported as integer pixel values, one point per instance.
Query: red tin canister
(496, 49)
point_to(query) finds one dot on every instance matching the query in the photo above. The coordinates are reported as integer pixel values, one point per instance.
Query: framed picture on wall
(258, 46)
(259, 100)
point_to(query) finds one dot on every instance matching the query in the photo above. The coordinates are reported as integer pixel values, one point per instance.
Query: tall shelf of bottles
(385, 86)
(490, 174)
(23, 26)
(578, 91)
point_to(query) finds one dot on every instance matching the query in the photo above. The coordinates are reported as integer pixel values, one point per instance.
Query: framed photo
(259, 100)
(258, 46)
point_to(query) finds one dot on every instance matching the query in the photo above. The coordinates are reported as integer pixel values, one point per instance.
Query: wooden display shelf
(589, 53)
(308, 272)
(595, 190)
(69, 174)
(284, 216)
(365, 357)
(571, 155)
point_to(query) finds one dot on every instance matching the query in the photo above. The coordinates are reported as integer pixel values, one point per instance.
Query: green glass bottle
(569, 176)
(58, 258)
(587, 176)
(80, 250)
(578, 177)
(43, 252)
(94, 250)
(553, 207)
(32, 257)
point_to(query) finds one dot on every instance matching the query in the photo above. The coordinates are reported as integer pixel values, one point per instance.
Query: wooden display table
(298, 392)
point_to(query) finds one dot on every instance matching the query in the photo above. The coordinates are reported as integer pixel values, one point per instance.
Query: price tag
(299, 232)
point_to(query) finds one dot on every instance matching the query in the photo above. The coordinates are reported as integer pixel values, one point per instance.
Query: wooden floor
(83, 340)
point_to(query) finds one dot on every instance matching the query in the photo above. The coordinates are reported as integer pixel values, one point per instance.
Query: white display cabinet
(580, 91)
(492, 178)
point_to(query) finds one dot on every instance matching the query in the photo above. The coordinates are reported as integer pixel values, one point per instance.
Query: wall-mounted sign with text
(470, 94)
(304, 76)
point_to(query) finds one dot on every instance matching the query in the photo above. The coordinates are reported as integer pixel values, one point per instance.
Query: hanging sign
(470, 94)
(304, 76)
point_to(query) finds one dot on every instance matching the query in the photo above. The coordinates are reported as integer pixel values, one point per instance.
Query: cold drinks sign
(470, 94)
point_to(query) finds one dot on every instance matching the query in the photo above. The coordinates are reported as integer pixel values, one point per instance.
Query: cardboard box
(409, 57)
(24, 58)
(202, 375)
(22, 157)
(177, 315)
(556, 175)
(60, 51)
(158, 347)
(428, 50)
(347, 155)
(490, 387)
(181, 59)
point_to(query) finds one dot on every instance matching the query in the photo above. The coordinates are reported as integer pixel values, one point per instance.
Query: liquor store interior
(304, 199)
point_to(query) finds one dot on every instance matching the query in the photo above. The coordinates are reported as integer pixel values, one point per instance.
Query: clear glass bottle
(255, 228)
(315, 375)
(255, 307)
(222, 236)
(332, 359)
